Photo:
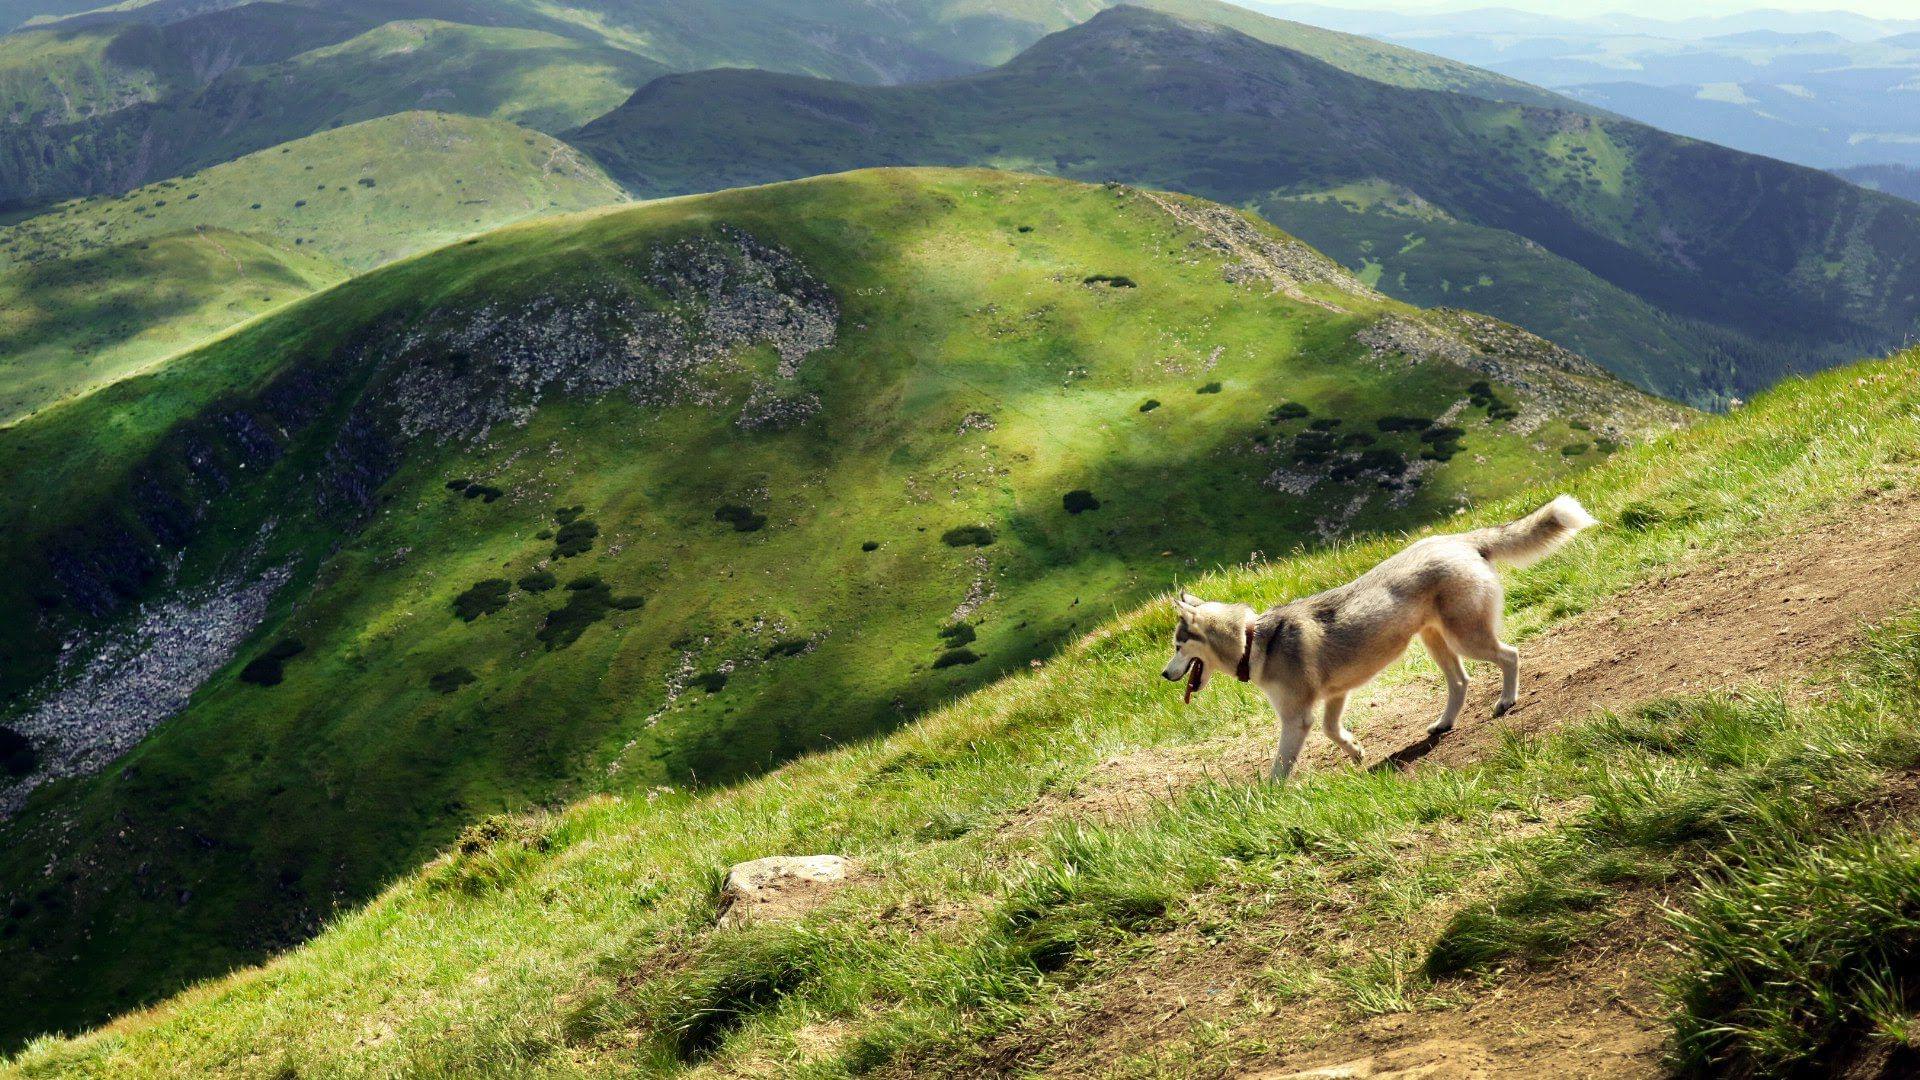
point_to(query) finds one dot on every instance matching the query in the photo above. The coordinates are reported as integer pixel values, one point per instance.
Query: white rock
(780, 887)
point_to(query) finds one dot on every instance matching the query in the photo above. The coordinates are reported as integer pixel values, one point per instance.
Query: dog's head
(1209, 636)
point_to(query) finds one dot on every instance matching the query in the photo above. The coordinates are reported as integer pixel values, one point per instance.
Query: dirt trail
(1765, 615)
(1762, 615)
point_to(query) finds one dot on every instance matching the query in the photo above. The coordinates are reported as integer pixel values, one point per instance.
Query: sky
(1662, 9)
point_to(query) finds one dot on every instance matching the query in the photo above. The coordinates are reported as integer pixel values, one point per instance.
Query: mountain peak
(1127, 30)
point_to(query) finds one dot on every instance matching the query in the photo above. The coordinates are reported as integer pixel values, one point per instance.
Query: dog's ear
(1186, 601)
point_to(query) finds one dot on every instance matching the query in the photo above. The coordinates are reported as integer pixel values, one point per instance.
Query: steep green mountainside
(60, 75)
(97, 288)
(116, 99)
(667, 495)
(1736, 269)
(1032, 891)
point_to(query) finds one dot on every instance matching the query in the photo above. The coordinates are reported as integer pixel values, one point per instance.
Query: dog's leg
(1293, 732)
(1482, 642)
(1455, 673)
(1330, 723)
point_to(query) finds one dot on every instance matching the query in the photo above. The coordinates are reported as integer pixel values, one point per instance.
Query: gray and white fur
(1317, 650)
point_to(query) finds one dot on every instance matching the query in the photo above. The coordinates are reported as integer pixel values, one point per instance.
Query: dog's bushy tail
(1535, 536)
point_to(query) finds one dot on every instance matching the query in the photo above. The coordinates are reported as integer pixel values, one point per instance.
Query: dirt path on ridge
(1761, 615)
(1767, 614)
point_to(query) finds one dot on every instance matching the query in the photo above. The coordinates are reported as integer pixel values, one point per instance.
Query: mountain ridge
(1189, 106)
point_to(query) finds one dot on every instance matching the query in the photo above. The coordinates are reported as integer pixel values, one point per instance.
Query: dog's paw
(1502, 708)
(1439, 727)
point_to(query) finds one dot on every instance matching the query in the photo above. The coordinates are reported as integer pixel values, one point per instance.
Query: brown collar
(1245, 671)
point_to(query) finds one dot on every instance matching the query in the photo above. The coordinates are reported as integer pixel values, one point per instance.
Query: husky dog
(1322, 648)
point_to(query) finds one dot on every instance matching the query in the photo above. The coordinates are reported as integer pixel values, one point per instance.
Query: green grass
(1601, 234)
(75, 324)
(99, 288)
(678, 667)
(578, 941)
(371, 193)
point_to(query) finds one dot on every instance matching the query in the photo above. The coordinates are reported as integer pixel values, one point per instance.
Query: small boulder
(780, 887)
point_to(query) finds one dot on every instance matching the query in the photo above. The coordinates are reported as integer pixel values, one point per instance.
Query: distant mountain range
(112, 99)
(1827, 88)
(1696, 271)
(1901, 180)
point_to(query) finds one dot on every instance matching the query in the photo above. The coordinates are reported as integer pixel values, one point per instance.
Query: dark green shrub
(17, 755)
(366, 181)
(450, 680)
(1079, 500)
(574, 538)
(870, 545)
(1210, 388)
(458, 485)
(484, 598)
(267, 669)
(955, 657)
(1575, 449)
(1149, 405)
(968, 536)
(1442, 434)
(1381, 459)
(957, 634)
(1403, 423)
(1291, 410)
(1116, 281)
(742, 518)
(1325, 423)
(537, 581)
(565, 515)
(712, 682)
(483, 492)
(588, 601)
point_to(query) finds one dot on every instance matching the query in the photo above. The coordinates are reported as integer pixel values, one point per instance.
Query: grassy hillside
(1738, 269)
(995, 929)
(74, 324)
(518, 75)
(668, 495)
(97, 288)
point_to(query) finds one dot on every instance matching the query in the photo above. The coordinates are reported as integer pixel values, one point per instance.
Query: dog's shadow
(1403, 758)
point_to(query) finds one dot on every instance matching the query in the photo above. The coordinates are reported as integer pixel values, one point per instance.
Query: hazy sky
(1665, 9)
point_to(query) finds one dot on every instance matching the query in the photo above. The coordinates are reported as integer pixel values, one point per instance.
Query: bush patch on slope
(968, 536)
(484, 598)
(268, 669)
